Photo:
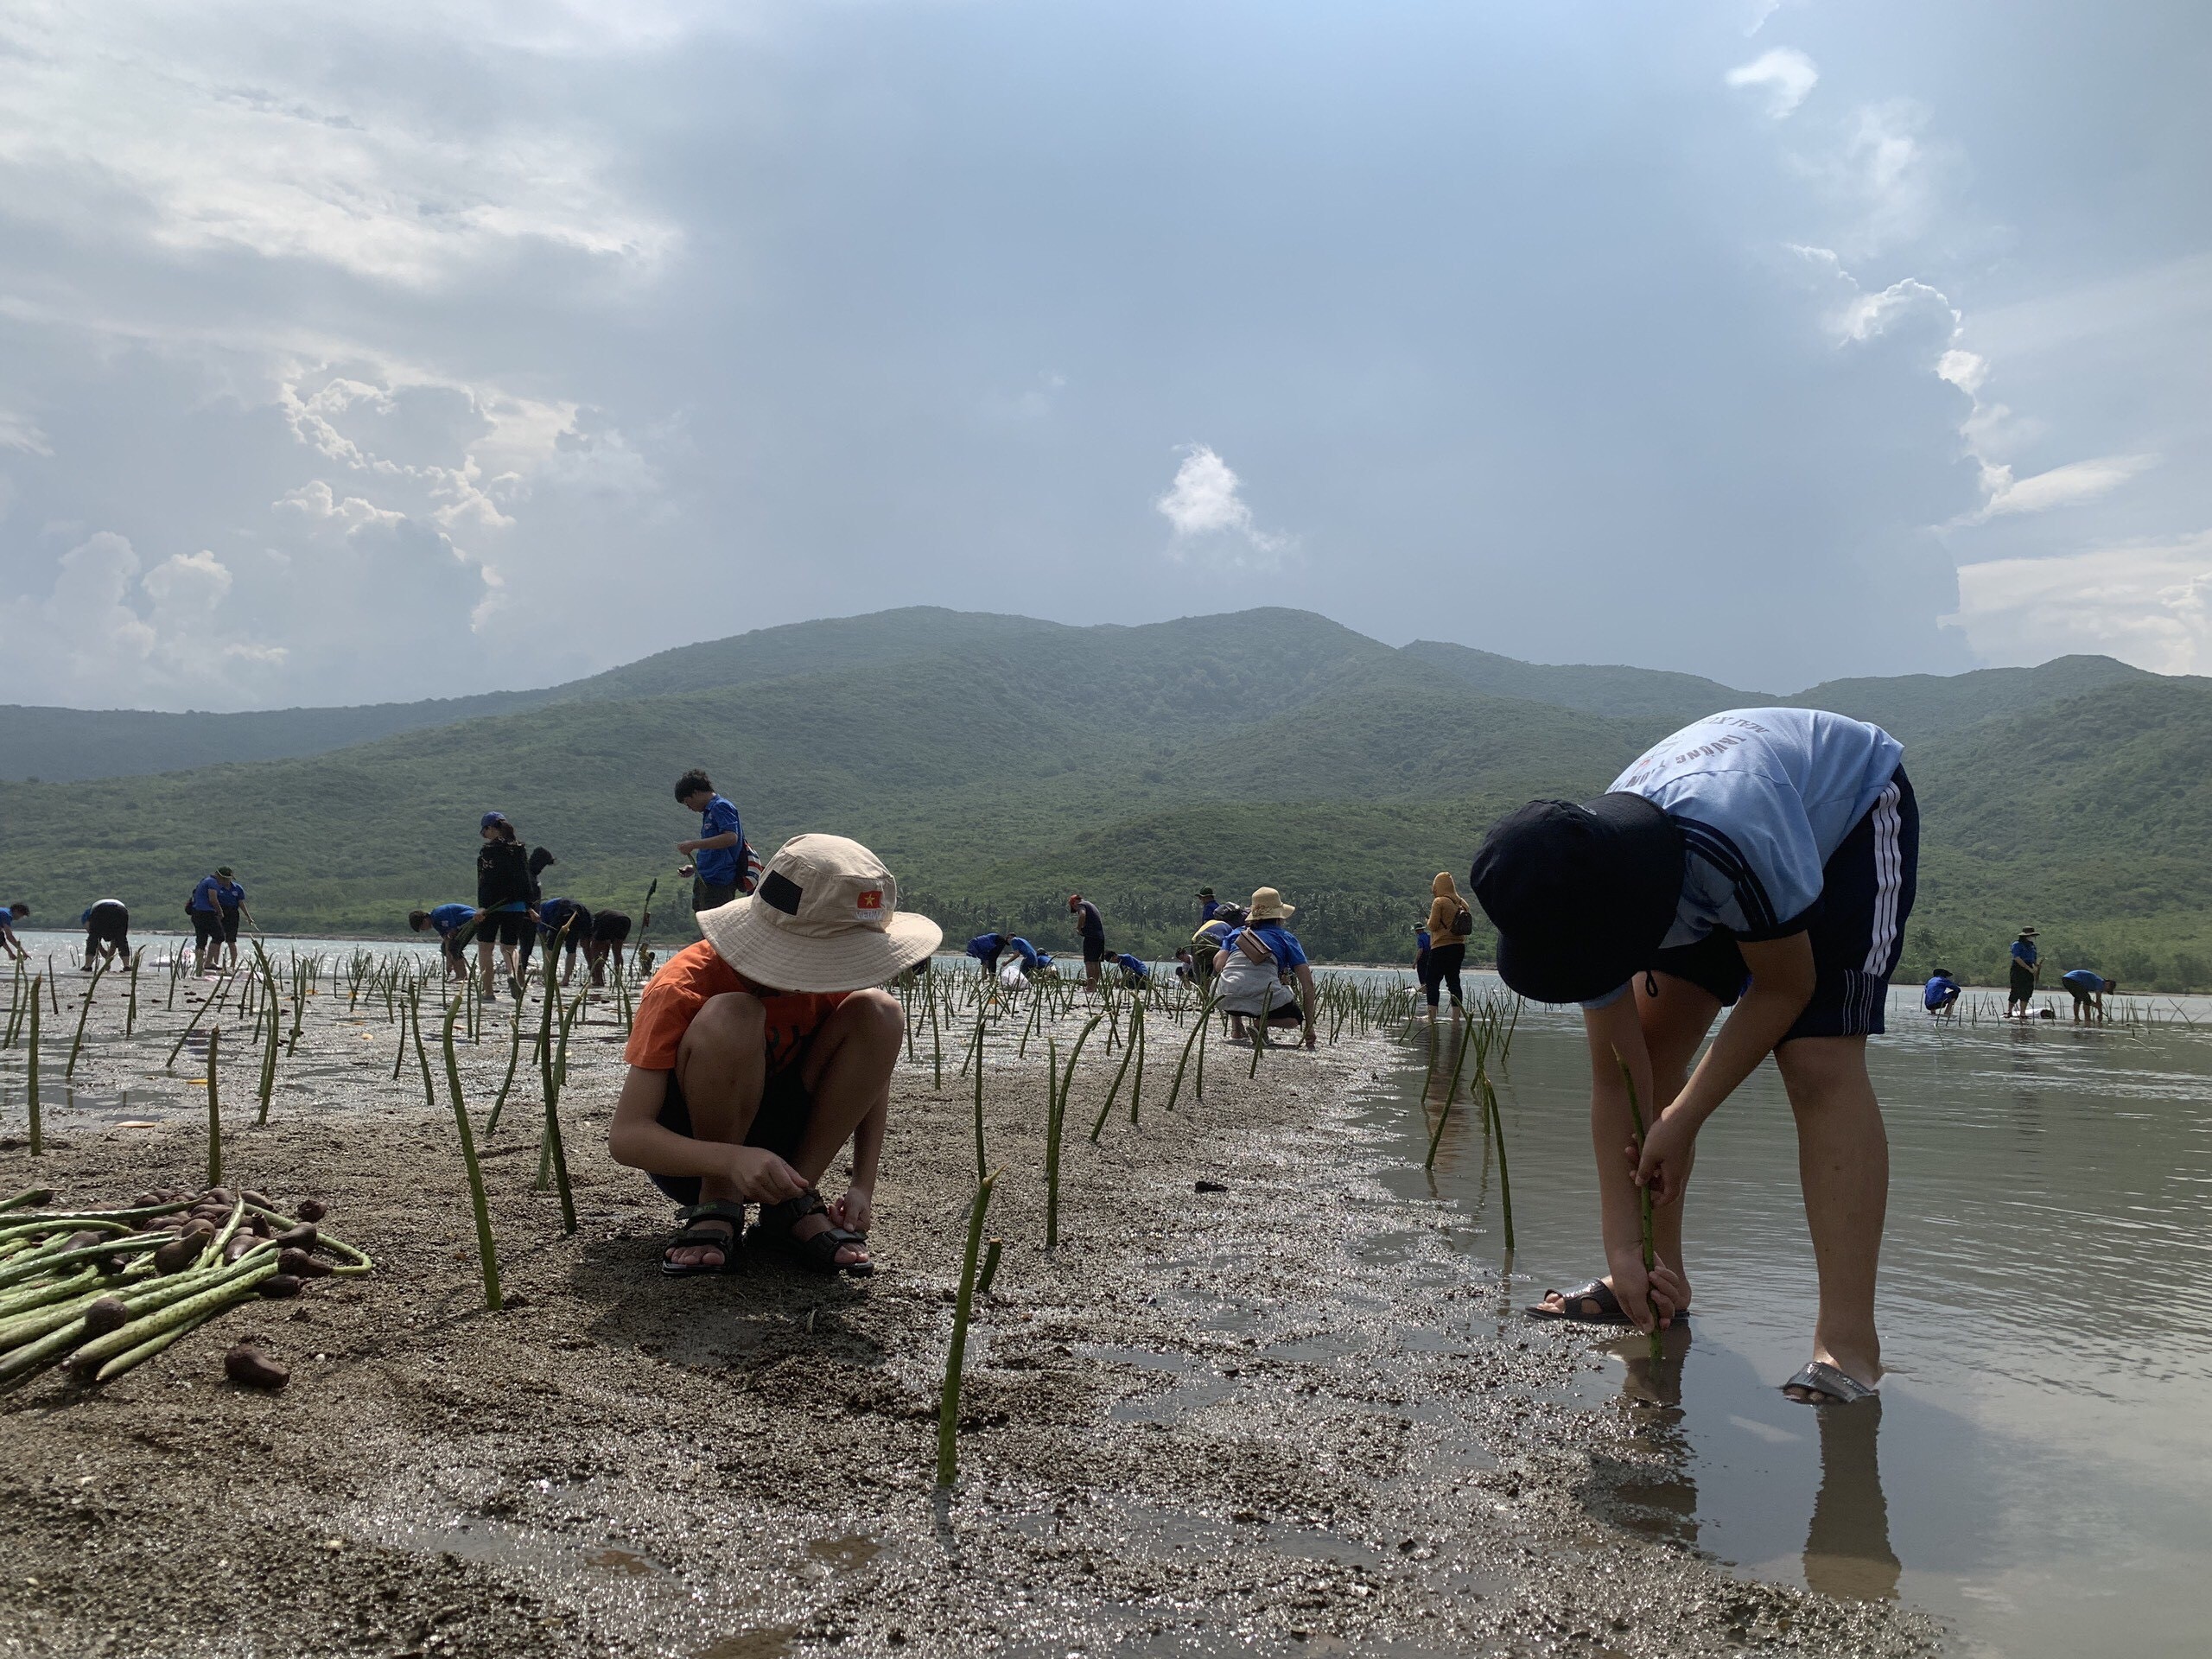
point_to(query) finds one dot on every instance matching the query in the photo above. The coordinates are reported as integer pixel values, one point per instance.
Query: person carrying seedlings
(505, 892)
(758, 1052)
(610, 930)
(1090, 928)
(1764, 859)
(2090, 989)
(1450, 921)
(107, 932)
(451, 923)
(2026, 969)
(1134, 972)
(552, 913)
(1941, 994)
(11, 917)
(719, 864)
(1259, 961)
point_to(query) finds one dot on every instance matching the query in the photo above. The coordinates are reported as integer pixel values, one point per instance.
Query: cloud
(1785, 75)
(22, 434)
(1208, 512)
(2146, 603)
(2062, 487)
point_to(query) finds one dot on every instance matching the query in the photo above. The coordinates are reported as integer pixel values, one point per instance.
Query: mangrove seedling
(948, 1410)
(487, 1257)
(83, 1012)
(214, 1108)
(30, 1071)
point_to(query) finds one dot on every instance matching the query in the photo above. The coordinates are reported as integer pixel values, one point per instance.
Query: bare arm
(1616, 1030)
(637, 1139)
(1782, 976)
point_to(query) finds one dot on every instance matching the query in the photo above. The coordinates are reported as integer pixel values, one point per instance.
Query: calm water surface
(2039, 1470)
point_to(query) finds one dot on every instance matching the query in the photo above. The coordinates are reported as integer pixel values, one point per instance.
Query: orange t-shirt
(681, 988)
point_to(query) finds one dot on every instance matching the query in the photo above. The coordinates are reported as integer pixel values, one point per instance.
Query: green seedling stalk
(487, 1255)
(980, 1165)
(84, 1013)
(214, 1108)
(550, 1150)
(990, 1267)
(1055, 1124)
(31, 1074)
(937, 1044)
(423, 1059)
(1505, 1177)
(29, 1198)
(1197, 1032)
(1129, 1053)
(399, 1055)
(268, 1048)
(948, 1411)
(131, 1011)
(514, 1056)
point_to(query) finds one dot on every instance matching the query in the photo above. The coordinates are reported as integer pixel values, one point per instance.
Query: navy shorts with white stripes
(1857, 929)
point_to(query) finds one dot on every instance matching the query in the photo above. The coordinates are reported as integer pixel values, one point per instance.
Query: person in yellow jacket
(1450, 921)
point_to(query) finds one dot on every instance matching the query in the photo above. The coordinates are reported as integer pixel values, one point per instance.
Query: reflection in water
(1655, 1496)
(1848, 1547)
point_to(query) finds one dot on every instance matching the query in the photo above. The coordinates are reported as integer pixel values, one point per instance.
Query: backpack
(1463, 923)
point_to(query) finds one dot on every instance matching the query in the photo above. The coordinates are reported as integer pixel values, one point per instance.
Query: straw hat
(825, 917)
(1268, 907)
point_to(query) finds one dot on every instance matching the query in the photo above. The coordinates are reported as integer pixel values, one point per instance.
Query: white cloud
(317, 501)
(1209, 515)
(22, 434)
(2146, 603)
(2062, 487)
(1785, 75)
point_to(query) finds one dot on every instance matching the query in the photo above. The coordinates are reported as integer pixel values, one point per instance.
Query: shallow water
(2039, 1471)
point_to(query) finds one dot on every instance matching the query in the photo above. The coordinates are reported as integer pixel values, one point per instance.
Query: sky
(372, 354)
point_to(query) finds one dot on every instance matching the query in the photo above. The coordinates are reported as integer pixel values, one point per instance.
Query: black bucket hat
(1581, 895)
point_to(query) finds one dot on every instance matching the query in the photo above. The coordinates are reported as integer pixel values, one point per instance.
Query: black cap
(1205, 893)
(1581, 895)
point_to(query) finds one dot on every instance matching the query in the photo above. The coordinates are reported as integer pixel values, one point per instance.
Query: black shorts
(609, 927)
(207, 928)
(2081, 997)
(2024, 983)
(1857, 932)
(229, 926)
(108, 924)
(504, 927)
(707, 895)
(786, 1109)
(1094, 948)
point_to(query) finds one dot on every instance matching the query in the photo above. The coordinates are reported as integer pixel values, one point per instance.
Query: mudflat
(1284, 1417)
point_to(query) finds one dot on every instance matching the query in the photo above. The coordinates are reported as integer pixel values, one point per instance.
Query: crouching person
(759, 1052)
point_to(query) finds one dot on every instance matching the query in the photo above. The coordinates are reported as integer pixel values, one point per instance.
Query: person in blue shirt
(204, 909)
(717, 866)
(552, 915)
(1134, 971)
(1260, 962)
(452, 924)
(986, 948)
(1207, 904)
(2027, 968)
(1941, 994)
(1423, 940)
(1761, 859)
(107, 932)
(1090, 928)
(2090, 989)
(10, 917)
(233, 899)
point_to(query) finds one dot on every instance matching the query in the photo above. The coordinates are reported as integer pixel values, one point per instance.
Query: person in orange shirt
(758, 1052)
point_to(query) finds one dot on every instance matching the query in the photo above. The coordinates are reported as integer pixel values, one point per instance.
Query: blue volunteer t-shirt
(2023, 952)
(232, 894)
(717, 865)
(1129, 964)
(1282, 944)
(985, 944)
(2083, 979)
(1031, 956)
(554, 911)
(1763, 798)
(1938, 991)
(203, 897)
(1421, 941)
(1206, 908)
(448, 919)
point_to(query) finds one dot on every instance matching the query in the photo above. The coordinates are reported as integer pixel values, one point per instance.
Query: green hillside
(1652, 695)
(1916, 706)
(998, 764)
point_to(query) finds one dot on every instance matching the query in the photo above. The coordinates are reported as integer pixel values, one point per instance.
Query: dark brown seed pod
(277, 1285)
(256, 1200)
(249, 1368)
(200, 1227)
(301, 1265)
(221, 1195)
(178, 1254)
(80, 1241)
(105, 1315)
(309, 1210)
(259, 1227)
(239, 1245)
(300, 1238)
(148, 1199)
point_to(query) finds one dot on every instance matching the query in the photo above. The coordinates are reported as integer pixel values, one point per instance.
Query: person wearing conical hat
(757, 1053)
(1259, 962)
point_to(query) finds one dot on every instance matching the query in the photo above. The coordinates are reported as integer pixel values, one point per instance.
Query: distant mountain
(1650, 696)
(1912, 707)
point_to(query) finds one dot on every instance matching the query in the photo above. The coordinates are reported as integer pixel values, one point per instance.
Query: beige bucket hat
(825, 917)
(1268, 907)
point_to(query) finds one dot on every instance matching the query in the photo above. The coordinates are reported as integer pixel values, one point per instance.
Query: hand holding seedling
(1649, 1299)
(1663, 1168)
(855, 1211)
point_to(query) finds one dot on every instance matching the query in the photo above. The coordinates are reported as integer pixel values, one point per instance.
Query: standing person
(231, 897)
(1941, 994)
(107, 932)
(2089, 988)
(1450, 921)
(504, 887)
(1207, 904)
(552, 915)
(610, 930)
(205, 911)
(2026, 969)
(1090, 928)
(9, 944)
(451, 922)
(758, 1052)
(1762, 858)
(717, 866)
(1259, 960)
(1424, 942)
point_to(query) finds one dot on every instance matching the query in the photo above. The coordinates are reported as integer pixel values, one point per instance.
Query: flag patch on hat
(870, 902)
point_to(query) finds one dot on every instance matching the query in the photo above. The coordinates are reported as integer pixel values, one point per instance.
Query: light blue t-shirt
(1763, 798)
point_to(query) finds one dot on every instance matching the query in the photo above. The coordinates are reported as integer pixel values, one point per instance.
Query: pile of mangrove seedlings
(103, 1291)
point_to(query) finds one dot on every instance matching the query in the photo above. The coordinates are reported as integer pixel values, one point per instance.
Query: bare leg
(722, 1066)
(485, 952)
(1843, 1161)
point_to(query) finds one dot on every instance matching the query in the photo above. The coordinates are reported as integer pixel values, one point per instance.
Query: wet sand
(1287, 1418)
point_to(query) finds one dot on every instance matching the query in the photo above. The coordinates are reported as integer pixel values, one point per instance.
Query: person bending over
(758, 1052)
(11, 918)
(610, 930)
(1762, 858)
(1134, 972)
(986, 948)
(107, 933)
(505, 889)
(553, 915)
(451, 923)
(2090, 989)
(1259, 962)
(1941, 994)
